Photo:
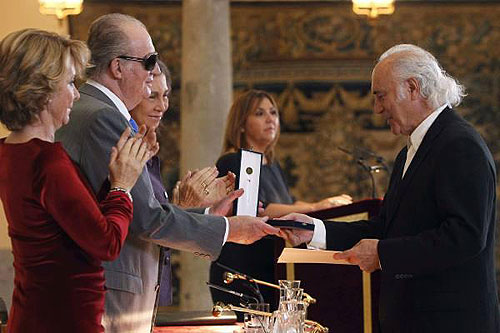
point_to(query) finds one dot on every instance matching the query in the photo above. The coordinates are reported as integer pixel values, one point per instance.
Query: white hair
(436, 86)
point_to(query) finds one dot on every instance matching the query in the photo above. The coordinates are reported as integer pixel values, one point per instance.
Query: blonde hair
(244, 105)
(32, 63)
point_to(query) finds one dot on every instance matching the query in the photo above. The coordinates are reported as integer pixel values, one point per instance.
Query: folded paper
(305, 256)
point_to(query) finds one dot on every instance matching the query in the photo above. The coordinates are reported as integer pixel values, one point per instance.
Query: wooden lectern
(347, 298)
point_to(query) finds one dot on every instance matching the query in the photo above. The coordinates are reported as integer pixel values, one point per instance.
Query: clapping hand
(201, 188)
(128, 158)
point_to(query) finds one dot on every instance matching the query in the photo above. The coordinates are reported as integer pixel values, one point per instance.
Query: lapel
(424, 149)
(92, 91)
(390, 198)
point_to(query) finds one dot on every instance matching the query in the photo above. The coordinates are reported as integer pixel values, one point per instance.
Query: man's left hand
(364, 254)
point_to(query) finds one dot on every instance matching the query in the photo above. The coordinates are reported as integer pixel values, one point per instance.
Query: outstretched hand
(248, 229)
(296, 236)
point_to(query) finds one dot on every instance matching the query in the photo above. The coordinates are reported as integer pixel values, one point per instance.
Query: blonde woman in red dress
(58, 230)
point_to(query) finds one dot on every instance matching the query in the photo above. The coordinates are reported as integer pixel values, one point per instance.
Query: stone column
(206, 96)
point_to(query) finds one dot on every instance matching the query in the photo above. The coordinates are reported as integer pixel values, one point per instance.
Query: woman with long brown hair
(253, 123)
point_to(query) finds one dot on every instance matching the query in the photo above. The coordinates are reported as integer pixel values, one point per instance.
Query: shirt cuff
(318, 240)
(207, 212)
(227, 230)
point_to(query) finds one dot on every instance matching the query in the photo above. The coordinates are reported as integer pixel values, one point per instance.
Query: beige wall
(19, 14)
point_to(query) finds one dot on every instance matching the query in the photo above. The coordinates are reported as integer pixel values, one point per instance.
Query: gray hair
(107, 40)
(436, 86)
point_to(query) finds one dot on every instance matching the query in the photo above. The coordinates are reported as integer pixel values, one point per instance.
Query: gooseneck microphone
(361, 155)
(245, 299)
(233, 274)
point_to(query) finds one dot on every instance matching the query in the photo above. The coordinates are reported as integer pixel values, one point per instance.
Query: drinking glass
(256, 323)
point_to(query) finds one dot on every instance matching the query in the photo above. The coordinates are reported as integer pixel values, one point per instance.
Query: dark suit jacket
(95, 126)
(436, 231)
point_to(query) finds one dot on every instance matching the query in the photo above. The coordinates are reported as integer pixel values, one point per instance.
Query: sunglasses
(149, 61)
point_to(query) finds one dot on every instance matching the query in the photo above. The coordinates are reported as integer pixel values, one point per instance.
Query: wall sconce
(373, 8)
(60, 8)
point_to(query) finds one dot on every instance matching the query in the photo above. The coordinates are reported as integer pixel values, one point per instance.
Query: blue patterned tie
(134, 126)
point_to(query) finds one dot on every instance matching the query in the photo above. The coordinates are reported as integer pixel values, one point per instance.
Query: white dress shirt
(416, 137)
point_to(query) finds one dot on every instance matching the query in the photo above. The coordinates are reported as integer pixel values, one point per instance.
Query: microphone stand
(368, 168)
(253, 285)
(244, 299)
(371, 169)
(232, 275)
(220, 307)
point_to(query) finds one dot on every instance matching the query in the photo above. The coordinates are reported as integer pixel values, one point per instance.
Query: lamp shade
(60, 8)
(373, 8)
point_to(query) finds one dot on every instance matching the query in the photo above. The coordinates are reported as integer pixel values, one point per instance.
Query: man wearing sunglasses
(123, 58)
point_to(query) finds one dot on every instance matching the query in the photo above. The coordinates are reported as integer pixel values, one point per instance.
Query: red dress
(59, 236)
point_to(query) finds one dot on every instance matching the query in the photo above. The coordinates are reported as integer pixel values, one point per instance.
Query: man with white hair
(123, 58)
(434, 237)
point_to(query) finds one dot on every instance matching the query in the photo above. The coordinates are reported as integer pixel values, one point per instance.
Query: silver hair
(436, 86)
(107, 40)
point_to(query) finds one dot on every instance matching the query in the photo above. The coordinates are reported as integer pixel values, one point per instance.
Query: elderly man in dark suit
(124, 57)
(434, 237)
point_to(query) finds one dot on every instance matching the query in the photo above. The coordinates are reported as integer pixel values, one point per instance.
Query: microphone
(361, 154)
(218, 309)
(243, 297)
(234, 272)
(232, 275)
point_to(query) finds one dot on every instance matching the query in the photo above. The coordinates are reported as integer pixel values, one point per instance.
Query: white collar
(418, 133)
(111, 95)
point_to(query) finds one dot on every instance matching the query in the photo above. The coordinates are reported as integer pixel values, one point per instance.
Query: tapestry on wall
(316, 60)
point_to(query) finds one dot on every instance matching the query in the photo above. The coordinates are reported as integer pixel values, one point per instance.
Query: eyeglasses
(149, 61)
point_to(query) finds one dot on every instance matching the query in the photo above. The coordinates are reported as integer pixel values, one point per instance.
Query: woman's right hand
(191, 190)
(128, 158)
